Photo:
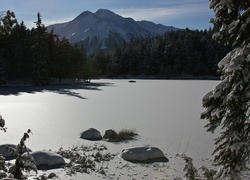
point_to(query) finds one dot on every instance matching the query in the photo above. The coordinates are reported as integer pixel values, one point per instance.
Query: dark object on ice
(91, 134)
(132, 81)
(2, 124)
(143, 155)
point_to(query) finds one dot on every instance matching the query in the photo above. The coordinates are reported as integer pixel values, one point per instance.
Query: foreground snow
(164, 113)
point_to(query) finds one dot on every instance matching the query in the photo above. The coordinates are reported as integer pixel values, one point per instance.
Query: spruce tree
(227, 106)
(40, 54)
(7, 23)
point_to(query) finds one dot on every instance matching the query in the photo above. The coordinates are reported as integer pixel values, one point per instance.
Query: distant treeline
(175, 54)
(39, 55)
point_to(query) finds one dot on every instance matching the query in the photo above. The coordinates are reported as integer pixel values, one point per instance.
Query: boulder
(142, 154)
(47, 158)
(91, 134)
(110, 134)
(4, 150)
(6, 153)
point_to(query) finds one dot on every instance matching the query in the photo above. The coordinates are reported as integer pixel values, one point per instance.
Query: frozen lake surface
(165, 113)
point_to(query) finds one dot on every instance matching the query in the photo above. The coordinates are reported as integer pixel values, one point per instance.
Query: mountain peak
(105, 13)
(84, 15)
(104, 29)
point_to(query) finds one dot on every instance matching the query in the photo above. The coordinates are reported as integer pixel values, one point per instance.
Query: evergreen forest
(38, 56)
(177, 54)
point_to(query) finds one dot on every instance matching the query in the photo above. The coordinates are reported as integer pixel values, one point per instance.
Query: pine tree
(40, 54)
(227, 106)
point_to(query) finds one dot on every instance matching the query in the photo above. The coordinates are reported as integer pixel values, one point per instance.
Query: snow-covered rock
(142, 154)
(91, 134)
(5, 151)
(47, 158)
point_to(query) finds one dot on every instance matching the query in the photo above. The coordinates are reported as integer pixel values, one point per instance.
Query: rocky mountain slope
(104, 29)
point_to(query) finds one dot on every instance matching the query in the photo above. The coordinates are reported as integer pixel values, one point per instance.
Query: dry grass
(127, 134)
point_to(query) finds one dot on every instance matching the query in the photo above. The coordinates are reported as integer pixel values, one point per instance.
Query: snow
(103, 45)
(234, 60)
(86, 30)
(164, 113)
(225, 60)
(218, 90)
(216, 35)
(84, 38)
(206, 98)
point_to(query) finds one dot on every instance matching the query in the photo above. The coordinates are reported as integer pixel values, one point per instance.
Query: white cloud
(56, 21)
(30, 24)
(164, 12)
(153, 14)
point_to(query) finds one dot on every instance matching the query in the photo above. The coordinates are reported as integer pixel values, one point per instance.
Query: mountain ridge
(104, 29)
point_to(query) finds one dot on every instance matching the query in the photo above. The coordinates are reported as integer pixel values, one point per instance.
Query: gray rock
(6, 153)
(110, 134)
(140, 154)
(47, 158)
(4, 150)
(51, 175)
(91, 134)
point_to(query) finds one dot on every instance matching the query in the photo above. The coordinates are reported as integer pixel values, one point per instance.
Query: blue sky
(194, 14)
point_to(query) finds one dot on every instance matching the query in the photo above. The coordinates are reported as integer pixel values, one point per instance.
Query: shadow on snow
(65, 89)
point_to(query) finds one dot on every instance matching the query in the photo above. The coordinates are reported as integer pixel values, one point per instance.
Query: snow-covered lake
(165, 113)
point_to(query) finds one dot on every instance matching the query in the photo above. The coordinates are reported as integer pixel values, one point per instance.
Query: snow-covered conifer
(190, 172)
(227, 106)
(24, 160)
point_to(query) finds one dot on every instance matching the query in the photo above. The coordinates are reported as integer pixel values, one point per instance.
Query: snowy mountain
(103, 29)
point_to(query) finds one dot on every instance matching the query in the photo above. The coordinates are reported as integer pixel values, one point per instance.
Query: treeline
(39, 55)
(36, 54)
(176, 54)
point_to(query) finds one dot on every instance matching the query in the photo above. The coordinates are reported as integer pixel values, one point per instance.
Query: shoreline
(68, 81)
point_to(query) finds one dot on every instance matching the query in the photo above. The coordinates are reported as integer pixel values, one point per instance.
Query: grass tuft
(127, 134)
